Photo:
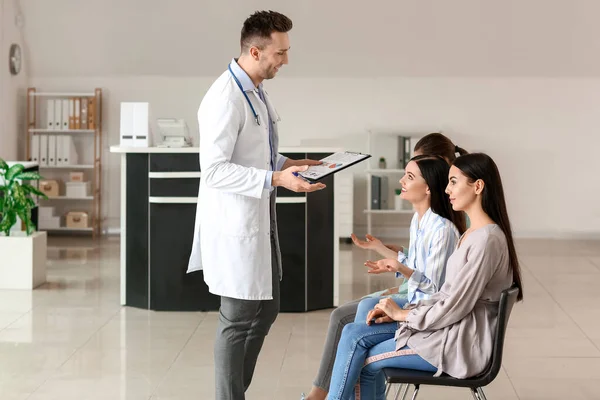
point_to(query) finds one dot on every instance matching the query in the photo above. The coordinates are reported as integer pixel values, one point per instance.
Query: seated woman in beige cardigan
(450, 332)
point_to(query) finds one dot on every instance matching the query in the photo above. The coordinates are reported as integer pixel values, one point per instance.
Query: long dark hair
(481, 166)
(434, 170)
(439, 145)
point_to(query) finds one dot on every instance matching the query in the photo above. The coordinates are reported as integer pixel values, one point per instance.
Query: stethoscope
(251, 107)
(246, 96)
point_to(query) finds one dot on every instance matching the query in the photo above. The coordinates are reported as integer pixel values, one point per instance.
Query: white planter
(22, 260)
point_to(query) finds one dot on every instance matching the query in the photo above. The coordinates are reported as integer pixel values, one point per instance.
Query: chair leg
(475, 394)
(416, 392)
(405, 392)
(481, 394)
(398, 391)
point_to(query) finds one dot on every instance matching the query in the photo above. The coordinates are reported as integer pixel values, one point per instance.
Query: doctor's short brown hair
(259, 26)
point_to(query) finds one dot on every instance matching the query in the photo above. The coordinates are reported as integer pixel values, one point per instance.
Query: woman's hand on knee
(377, 316)
(386, 311)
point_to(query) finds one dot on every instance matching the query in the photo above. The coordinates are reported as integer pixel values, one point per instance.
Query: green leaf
(28, 176)
(33, 190)
(3, 164)
(25, 215)
(14, 171)
(18, 194)
(9, 218)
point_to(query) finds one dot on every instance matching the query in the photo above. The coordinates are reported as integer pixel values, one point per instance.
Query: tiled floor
(70, 339)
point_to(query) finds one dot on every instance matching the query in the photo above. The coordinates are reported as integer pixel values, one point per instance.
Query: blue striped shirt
(432, 241)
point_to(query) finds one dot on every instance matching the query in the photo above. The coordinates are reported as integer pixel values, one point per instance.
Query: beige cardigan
(453, 329)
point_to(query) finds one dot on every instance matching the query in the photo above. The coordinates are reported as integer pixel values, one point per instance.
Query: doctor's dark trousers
(241, 331)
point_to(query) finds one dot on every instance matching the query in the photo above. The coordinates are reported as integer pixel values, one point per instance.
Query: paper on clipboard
(332, 164)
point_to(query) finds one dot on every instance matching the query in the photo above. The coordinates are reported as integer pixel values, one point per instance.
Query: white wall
(13, 89)
(542, 132)
(519, 79)
(330, 38)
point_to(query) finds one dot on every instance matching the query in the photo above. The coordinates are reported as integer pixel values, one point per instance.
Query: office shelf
(84, 127)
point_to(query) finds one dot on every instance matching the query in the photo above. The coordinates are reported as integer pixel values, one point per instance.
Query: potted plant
(22, 254)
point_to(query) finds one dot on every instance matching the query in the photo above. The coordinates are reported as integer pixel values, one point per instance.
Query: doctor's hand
(288, 180)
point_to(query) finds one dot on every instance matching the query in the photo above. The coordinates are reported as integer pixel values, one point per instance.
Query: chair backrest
(508, 298)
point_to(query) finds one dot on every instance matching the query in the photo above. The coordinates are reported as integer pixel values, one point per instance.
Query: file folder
(50, 114)
(52, 150)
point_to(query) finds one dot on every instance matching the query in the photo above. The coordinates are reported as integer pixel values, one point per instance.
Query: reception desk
(159, 190)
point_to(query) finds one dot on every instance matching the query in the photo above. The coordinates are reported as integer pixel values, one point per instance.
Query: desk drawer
(174, 187)
(174, 162)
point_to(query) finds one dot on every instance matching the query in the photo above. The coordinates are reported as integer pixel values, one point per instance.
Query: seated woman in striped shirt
(435, 230)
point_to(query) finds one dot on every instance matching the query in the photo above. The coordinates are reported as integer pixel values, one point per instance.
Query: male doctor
(235, 239)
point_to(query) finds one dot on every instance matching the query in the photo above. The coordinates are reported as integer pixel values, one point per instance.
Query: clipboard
(333, 163)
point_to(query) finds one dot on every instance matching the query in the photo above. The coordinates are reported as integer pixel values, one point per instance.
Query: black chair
(417, 378)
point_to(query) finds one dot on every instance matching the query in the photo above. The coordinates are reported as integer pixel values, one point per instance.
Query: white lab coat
(232, 232)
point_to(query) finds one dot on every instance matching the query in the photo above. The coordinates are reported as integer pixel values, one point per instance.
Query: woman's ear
(428, 191)
(479, 186)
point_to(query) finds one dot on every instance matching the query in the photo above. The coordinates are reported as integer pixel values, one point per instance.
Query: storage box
(78, 189)
(135, 124)
(49, 223)
(45, 212)
(49, 188)
(76, 176)
(76, 219)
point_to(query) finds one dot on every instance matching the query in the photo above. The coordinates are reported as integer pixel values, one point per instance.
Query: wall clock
(14, 59)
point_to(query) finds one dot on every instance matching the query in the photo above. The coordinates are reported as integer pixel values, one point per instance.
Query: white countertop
(299, 149)
(119, 149)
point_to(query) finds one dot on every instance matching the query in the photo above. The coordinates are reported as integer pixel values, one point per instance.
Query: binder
(44, 149)
(50, 114)
(77, 113)
(91, 113)
(379, 193)
(126, 124)
(141, 124)
(375, 193)
(57, 114)
(71, 113)
(404, 151)
(62, 144)
(65, 114)
(52, 150)
(69, 152)
(35, 148)
(60, 153)
(84, 114)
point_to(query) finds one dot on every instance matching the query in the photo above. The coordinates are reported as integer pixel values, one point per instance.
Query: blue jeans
(368, 303)
(358, 343)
